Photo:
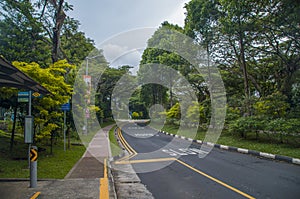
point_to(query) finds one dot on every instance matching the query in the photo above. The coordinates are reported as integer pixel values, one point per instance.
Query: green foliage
(46, 110)
(272, 106)
(196, 113)
(174, 114)
(106, 83)
(135, 115)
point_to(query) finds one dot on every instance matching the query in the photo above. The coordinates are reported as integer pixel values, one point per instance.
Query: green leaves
(47, 109)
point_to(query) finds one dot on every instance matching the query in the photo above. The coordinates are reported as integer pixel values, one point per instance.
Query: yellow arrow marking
(33, 155)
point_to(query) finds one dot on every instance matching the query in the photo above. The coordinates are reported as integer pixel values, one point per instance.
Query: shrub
(135, 115)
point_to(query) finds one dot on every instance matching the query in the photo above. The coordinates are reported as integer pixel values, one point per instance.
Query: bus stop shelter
(11, 76)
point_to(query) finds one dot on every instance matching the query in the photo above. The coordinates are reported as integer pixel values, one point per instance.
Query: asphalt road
(171, 168)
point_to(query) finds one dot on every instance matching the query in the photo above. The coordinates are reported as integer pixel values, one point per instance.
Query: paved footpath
(83, 181)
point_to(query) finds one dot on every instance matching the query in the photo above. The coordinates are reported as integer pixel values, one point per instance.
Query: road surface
(171, 168)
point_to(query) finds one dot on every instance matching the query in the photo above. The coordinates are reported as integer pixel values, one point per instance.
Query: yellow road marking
(124, 144)
(131, 149)
(127, 147)
(146, 161)
(104, 193)
(35, 195)
(216, 180)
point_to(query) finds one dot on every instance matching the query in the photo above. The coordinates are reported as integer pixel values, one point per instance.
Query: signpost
(65, 107)
(23, 96)
(26, 96)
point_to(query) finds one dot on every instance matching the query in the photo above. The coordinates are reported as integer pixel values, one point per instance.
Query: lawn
(263, 145)
(54, 166)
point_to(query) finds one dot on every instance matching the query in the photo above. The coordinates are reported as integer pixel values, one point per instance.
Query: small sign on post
(65, 107)
(23, 96)
(33, 154)
(28, 129)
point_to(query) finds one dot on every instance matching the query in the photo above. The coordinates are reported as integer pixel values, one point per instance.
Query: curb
(240, 150)
(26, 179)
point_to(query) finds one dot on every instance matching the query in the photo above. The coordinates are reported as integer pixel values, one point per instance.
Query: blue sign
(65, 107)
(23, 96)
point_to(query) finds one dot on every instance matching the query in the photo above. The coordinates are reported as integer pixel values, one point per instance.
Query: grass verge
(114, 145)
(14, 164)
(262, 145)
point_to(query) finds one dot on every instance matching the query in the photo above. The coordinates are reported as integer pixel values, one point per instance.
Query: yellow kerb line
(131, 149)
(216, 180)
(146, 161)
(104, 193)
(35, 195)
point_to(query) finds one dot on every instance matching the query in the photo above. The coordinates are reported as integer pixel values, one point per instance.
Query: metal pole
(29, 114)
(29, 107)
(33, 171)
(87, 66)
(65, 116)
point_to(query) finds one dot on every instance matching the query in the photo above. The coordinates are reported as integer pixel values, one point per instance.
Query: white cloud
(113, 51)
(118, 56)
(178, 16)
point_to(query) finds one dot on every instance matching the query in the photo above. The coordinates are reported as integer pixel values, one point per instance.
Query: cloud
(178, 16)
(118, 56)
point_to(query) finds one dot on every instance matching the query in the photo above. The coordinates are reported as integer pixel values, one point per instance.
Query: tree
(105, 86)
(154, 54)
(21, 34)
(46, 110)
(174, 114)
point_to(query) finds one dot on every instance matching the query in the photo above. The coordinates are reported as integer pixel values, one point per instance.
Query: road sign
(33, 154)
(36, 94)
(23, 96)
(65, 107)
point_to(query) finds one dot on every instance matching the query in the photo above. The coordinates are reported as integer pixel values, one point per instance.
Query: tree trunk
(245, 74)
(59, 20)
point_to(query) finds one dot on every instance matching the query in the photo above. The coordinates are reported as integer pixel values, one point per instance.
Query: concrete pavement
(83, 181)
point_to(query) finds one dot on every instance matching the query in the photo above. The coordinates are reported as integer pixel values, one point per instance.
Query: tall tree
(21, 34)
(154, 93)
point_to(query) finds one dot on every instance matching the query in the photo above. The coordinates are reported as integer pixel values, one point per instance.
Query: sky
(109, 21)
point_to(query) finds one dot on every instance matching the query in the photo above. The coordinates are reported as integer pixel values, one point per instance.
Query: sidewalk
(82, 182)
(91, 163)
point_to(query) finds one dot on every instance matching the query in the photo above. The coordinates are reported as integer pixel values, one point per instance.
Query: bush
(135, 115)
(272, 106)
(246, 124)
(284, 127)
